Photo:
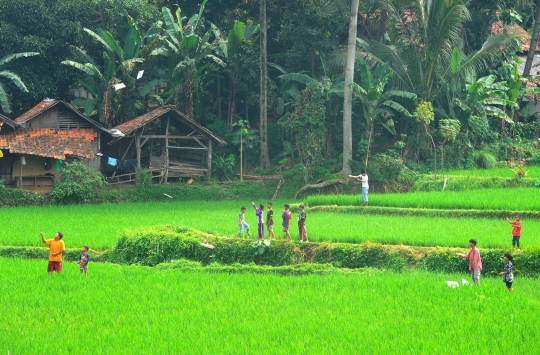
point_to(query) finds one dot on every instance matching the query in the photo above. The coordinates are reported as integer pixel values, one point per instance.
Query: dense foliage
(204, 58)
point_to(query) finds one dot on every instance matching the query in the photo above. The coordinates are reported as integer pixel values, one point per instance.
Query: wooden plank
(166, 160)
(171, 137)
(209, 159)
(200, 143)
(187, 148)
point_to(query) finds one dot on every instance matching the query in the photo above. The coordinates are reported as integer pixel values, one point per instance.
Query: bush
(484, 160)
(78, 183)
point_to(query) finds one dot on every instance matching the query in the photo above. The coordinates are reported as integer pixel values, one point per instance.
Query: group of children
(56, 253)
(286, 222)
(475, 265)
(475, 261)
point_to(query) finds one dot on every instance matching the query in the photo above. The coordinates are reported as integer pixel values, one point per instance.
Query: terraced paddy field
(99, 226)
(138, 310)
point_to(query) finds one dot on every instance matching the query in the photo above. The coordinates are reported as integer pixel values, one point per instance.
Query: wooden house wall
(35, 166)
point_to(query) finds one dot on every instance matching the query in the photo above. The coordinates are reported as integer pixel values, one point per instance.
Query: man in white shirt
(365, 187)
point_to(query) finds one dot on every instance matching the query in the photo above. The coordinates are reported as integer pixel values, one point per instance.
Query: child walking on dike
(57, 248)
(242, 223)
(84, 258)
(475, 261)
(270, 221)
(516, 231)
(302, 225)
(259, 214)
(508, 276)
(286, 216)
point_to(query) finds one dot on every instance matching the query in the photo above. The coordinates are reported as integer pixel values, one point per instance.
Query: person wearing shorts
(508, 276)
(56, 251)
(475, 261)
(270, 221)
(242, 222)
(84, 258)
(286, 217)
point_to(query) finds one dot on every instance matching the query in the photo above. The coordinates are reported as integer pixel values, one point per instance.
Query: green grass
(524, 199)
(136, 310)
(533, 171)
(99, 226)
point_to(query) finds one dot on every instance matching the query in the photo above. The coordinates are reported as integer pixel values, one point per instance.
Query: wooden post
(166, 159)
(138, 147)
(209, 159)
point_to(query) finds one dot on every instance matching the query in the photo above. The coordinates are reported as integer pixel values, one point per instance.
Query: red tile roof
(136, 123)
(51, 143)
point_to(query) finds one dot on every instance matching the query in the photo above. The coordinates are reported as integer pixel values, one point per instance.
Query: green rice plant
(100, 226)
(523, 199)
(484, 160)
(140, 310)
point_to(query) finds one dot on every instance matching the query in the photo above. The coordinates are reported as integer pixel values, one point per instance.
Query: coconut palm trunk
(347, 101)
(534, 41)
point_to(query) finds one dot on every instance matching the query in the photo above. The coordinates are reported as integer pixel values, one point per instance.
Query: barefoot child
(259, 214)
(508, 276)
(302, 225)
(84, 258)
(242, 223)
(286, 216)
(475, 261)
(270, 221)
(516, 232)
(57, 249)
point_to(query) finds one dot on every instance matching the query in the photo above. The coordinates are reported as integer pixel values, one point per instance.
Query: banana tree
(119, 66)
(378, 103)
(12, 77)
(187, 47)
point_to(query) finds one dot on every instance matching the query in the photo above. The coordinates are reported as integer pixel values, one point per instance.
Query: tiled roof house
(42, 138)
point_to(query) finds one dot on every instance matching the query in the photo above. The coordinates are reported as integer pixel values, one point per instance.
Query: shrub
(144, 178)
(78, 183)
(484, 160)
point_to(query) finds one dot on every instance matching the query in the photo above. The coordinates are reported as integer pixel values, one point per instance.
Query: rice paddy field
(522, 199)
(137, 310)
(533, 171)
(99, 226)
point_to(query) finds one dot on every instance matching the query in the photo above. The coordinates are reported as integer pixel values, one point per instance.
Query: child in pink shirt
(475, 261)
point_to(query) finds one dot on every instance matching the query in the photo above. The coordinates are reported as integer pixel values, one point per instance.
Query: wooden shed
(166, 142)
(35, 144)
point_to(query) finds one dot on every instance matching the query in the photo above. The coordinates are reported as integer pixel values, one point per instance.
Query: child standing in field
(475, 261)
(508, 276)
(270, 221)
(259, 214)
(286, 216)
(84, 258)
(302, 225)
(516, 231)
(242, 223)
(57, 248)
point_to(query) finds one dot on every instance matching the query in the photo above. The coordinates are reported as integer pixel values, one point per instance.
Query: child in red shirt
(516, 232)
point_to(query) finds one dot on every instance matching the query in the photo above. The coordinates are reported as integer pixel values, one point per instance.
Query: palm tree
(237, 38)
(12, 77)
(378, 103)
(425, 35)
(119, 65)
(187, 47)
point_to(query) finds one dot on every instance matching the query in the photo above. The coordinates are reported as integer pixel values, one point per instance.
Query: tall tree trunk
(187, 98)
(263, 129)
(370, 139)
(534, 41)
(219, 94)
(232, 104)
(347, 101)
